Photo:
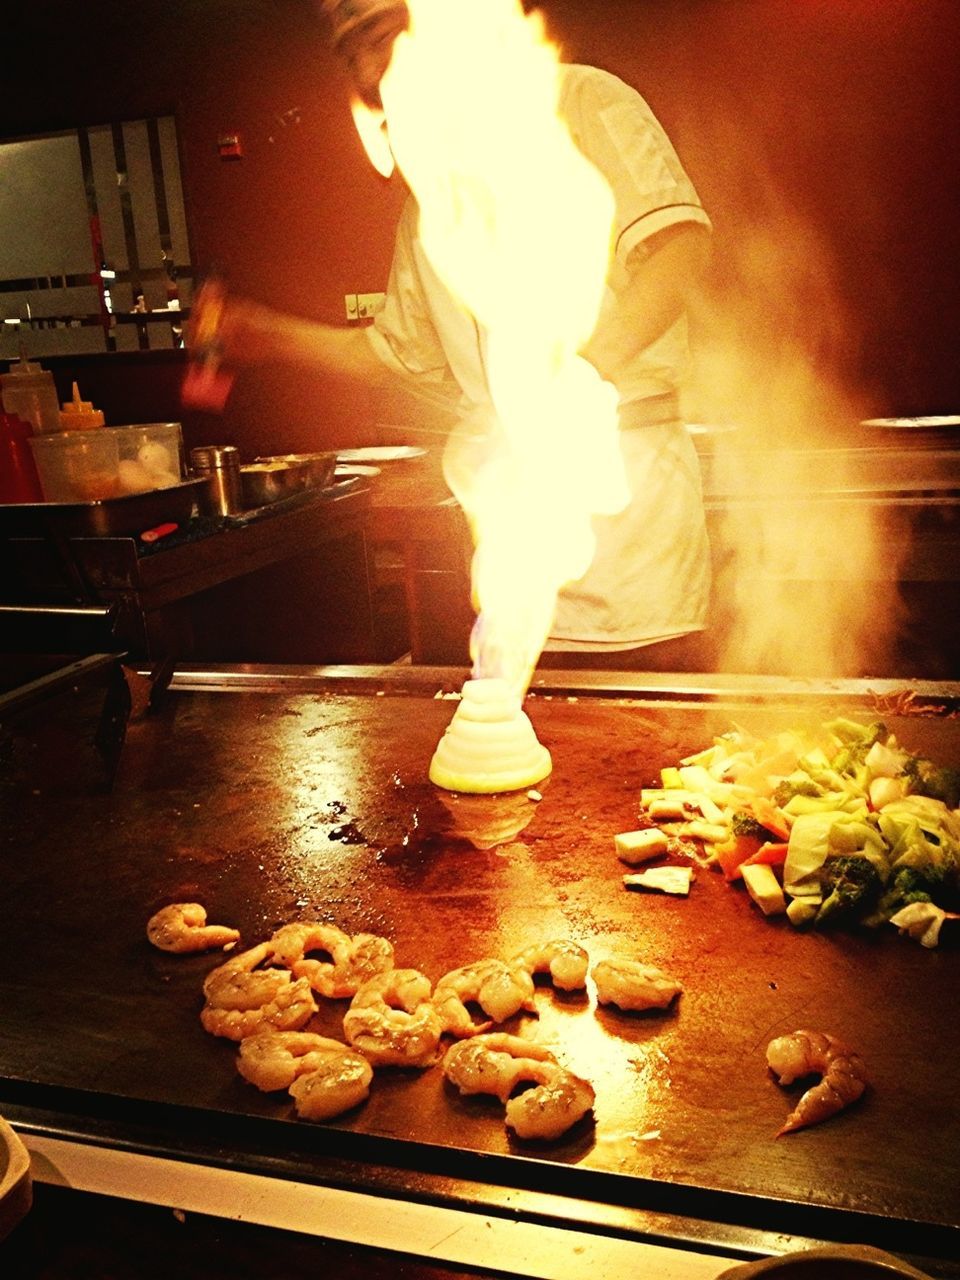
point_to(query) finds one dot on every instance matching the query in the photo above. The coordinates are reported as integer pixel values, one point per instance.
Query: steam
(803, 586)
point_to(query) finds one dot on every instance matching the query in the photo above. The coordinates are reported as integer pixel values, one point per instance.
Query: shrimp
(501, 990)
(240, 983)
(242, 999)
(629, 984)
(324, 1077)
(342, 1081)
(272, 1060)
(182, 927)
(807, 1052)
(497, 1064)
(566, 962)
(291, 1008)
(557, 1102)
(392, 1021)
(492, 1063)
(352, 959)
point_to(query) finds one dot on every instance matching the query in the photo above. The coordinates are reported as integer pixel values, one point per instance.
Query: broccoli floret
(794, 786)
(853, 882)
(925, 778)
(857, 740)
(745, 824)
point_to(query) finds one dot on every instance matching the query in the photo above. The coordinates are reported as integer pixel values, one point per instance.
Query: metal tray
(104, 518)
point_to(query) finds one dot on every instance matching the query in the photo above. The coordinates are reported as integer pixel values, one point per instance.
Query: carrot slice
(732, 852)
(769, 816)
(770, 855)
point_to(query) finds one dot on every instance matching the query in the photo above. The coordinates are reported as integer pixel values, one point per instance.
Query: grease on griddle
(348, 833)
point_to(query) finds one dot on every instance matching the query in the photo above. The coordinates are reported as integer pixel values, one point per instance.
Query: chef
(642, 604)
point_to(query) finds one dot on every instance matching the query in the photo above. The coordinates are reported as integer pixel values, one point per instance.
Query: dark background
(820, 134)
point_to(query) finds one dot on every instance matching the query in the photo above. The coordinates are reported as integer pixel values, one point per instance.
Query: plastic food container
(108, 462)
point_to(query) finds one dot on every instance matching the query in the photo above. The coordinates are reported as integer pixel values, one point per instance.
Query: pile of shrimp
(264, 997)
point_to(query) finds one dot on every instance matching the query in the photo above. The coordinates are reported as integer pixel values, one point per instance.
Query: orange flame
(518, 224)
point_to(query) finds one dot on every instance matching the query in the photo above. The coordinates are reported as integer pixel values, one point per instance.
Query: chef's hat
(345, 16)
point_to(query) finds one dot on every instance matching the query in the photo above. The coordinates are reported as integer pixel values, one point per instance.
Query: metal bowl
(269, 480)
(320, 466)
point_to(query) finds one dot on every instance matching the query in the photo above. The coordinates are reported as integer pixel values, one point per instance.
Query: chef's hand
(236, 330)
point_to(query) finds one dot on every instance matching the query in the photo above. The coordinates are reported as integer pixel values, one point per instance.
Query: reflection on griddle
(488, 821)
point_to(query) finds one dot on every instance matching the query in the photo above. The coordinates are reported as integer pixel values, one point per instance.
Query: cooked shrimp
(182, 927)
(566, 962)
(352, 959)
(291, 942)
(240, 983)
(629, 984)
(493, 1063)
(243, 999)
(501, 990)
(342, 1081)
(291, 1008)
(392, 1021)
(804, 1053)
(272, 1060)
(557, 1102)
(497, 1064)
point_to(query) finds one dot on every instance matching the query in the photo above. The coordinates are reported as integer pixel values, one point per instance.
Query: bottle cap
(76, 405)
(80, 415)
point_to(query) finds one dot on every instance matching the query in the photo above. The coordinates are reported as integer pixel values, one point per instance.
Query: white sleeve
(403, 334)
(615, 129)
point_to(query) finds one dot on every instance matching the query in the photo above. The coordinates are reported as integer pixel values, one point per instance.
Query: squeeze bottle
(79, 415)
(30, 392)
(19, 481)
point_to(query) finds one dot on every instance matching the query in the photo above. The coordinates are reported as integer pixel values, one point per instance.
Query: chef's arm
(664, 271)
(249, 333)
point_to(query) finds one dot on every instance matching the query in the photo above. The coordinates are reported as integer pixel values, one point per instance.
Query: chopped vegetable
(923, 921)
(850, 826)
(770, 855)
(854, 884)
(675, 880)
(764, 888)
(639, 846)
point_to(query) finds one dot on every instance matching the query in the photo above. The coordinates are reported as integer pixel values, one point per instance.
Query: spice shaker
(220, 464)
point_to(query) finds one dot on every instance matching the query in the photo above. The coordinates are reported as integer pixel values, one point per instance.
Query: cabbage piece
(923, 921)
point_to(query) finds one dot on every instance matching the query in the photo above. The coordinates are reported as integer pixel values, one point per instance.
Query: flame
(518, 225)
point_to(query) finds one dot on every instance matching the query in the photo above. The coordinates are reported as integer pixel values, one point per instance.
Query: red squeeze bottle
(19, 481)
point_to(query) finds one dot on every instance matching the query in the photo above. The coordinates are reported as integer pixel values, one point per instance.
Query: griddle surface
(271, 807)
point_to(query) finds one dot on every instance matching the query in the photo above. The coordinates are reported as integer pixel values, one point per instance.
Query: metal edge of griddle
(69, 676)
(515, 1187)
(930, 696)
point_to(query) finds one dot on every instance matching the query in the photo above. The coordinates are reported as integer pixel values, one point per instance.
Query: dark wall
(820, 134)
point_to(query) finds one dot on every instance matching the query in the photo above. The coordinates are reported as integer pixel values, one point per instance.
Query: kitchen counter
(174, 597)
(906, 492)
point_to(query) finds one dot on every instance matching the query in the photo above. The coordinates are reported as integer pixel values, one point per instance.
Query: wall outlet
(350, 306)
(368, 304)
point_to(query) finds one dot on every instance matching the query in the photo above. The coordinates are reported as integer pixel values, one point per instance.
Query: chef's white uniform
(649, 579)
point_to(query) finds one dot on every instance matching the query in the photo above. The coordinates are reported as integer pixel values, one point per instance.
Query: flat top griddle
(311, 802)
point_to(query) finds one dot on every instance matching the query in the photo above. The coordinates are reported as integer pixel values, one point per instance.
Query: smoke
(805, 578)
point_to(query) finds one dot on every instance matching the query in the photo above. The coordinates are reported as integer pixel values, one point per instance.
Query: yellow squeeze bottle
(79, 415)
